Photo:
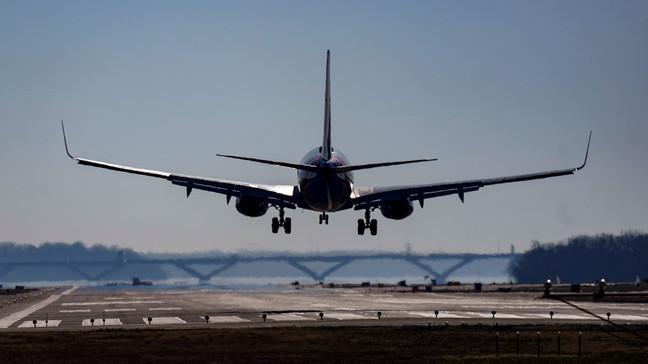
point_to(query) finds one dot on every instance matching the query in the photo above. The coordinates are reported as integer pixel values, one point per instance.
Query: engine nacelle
(251, 206)
(397, 209)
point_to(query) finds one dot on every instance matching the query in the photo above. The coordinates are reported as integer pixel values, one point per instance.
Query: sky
(490, 88)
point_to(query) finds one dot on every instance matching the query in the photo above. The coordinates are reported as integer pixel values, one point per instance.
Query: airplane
(325, 183)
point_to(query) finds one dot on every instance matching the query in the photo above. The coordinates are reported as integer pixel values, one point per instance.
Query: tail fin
(326, 142)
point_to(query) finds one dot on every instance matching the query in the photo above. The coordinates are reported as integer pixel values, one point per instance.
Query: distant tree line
(60, 252)
(618, 258)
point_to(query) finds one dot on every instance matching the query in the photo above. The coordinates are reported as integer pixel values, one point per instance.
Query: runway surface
(87, 308)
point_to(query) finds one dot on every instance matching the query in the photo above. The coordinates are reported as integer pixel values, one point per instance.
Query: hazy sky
(490, 88)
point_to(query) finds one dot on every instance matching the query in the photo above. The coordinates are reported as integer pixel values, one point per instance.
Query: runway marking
(224, 319)
(164, 320)
(73, 311)
(119, 309)
(103, 303)
(442, 314)
(165, 309)
(497, 315)
(616, 317)
(99, 322)
(562, 316)
(349, 316)
(289, 317)
(320, 305)
(17, 316)
(510, 316)
(40, 323)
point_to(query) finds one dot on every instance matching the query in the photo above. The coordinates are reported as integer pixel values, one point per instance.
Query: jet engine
(397, 209)
(251, 206)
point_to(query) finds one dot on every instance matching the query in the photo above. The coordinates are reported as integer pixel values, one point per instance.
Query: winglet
(65, 142)
(586, 153)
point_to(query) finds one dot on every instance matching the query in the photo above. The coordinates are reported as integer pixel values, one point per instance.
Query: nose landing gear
(323, 218)
(286, 223)
(367, 223)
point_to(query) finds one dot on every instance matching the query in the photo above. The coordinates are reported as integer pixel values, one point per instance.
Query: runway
(87, 308)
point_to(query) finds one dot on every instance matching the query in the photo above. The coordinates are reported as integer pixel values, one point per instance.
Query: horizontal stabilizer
(355, 167)
(312, 168)
(304, 167)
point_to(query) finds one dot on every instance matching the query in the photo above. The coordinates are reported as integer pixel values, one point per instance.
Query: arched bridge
(195, 267)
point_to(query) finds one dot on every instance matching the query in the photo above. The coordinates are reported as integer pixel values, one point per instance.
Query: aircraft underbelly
(326, 193)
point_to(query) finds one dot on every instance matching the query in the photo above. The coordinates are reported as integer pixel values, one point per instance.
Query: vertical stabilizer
(326, 143)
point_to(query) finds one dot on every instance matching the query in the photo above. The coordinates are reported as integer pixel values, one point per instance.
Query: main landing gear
(323, 218)
(286, 223)
(367, 223)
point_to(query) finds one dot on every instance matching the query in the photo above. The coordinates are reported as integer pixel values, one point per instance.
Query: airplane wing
(277, 195)
(373, 197)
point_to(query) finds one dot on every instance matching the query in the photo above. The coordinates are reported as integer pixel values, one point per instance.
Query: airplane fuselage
(325, 191)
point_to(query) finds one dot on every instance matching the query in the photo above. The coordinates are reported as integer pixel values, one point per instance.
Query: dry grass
(352, 344)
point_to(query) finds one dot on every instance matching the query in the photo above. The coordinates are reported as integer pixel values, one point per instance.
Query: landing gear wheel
(323, 218)
(367, 223)
(361, 227)
(278, 222)
(373, 227)
(287, 225)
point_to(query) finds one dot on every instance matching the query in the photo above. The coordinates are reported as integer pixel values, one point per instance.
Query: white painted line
(165, 309)
(103, 303)
(99, 322)
(510, 316)
(289, 317)
(507, 316)
(224, 319)
(349, 316)
(16, 316)
(164, 320)
(497, 315)
(573, 317)
(442, 314)
(616, 317)
(40, 323)
(73, 311)
(119, 309)
(561, 316)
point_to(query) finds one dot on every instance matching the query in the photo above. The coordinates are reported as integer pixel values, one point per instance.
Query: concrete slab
(442, 315)
(98, 322)
(104, 303)
(17, 316)
(164, 320)
(40, 323)
(120, 309)
(165, 308)
(348, 316)
(224, 319)
(289, 317)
